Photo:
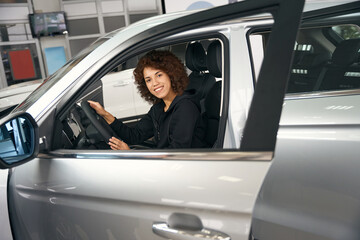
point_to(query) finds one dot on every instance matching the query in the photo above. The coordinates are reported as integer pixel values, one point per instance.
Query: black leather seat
(214, 59)
(199, 79)
(306, 68)
(211, 114)
(344, 70)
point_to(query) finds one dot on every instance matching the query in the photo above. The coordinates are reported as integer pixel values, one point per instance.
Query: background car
(121, 97)
(15, 94)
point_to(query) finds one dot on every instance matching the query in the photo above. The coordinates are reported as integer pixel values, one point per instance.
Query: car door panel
(311, 189)
(119, 195)
(4, 217)
(126, 196)
(312, 192)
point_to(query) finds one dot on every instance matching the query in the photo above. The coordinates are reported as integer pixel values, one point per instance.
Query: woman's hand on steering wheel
(109, 118)
(105, 131)
(116, 144)
(100, 124)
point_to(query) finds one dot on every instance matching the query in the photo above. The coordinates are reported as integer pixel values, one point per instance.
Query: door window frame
(217, 15)
(76, 93)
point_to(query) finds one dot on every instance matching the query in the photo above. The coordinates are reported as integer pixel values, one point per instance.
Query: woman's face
(158, 83)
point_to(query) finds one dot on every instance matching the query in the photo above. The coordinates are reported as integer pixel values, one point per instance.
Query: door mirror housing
(19, 139)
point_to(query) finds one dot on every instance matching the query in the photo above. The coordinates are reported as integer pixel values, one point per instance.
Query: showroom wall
(26, 57)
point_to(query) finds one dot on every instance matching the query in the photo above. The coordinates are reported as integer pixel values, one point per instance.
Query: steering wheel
(98, 122)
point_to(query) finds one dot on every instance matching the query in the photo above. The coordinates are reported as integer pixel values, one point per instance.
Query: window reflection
(16, 140)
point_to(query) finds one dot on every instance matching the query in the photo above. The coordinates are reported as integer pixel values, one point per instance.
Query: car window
(54, 78)
(347, 31)
(118, 93)
(319, 63)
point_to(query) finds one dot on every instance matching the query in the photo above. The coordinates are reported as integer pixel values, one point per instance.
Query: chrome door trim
(194, 155)
(334, 93)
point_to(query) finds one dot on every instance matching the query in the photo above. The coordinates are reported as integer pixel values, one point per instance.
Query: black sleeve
(142, 131)
(183, 124)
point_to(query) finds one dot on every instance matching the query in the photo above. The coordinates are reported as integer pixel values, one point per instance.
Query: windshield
(53, 79)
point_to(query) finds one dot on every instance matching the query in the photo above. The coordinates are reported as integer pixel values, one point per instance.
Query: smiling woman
(174, 121)
(159, 85)
(166, 62)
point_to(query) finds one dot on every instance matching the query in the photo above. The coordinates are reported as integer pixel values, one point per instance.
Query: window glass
(113, 23)
(77, 45)
(347, 31)
(119, 94)
(83, 26)
(53, 79)
(137, 17)
(15, 32)
(75, 9)
(318, 64)
(83, 18)
(142, 5)
(112, 6)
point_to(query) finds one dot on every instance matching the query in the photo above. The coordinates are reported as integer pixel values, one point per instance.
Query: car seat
(199, 79)
(344, 70)
(211, 115)
(306, 68)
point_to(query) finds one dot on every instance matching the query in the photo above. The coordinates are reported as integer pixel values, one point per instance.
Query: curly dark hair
(167, 62)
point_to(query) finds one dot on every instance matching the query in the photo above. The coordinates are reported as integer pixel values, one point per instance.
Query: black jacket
(180, 126)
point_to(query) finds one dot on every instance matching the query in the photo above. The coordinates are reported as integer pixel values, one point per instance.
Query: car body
(69, 186)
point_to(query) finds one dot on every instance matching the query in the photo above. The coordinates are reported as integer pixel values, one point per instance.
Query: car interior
(316, 68)
(326, 58)
(81, 128)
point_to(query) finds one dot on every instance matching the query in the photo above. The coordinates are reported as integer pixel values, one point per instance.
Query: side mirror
(19, 139)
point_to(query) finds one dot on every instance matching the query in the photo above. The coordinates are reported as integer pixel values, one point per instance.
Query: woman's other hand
(109, 118)
(116, 144)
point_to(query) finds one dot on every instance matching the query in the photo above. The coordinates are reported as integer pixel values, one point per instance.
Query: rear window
(347, 31)
(319, 63)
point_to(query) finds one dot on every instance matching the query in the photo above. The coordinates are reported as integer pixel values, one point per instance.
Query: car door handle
(182, 226)
(121, 83)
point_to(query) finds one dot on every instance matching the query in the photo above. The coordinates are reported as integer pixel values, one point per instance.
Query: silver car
(256, 182)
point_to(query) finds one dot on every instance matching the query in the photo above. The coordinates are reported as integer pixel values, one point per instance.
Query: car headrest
(347, 52)
(214, 59)
(195, 57)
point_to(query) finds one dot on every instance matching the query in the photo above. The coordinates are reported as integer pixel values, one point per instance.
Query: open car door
(311, 190)
(84, 194)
